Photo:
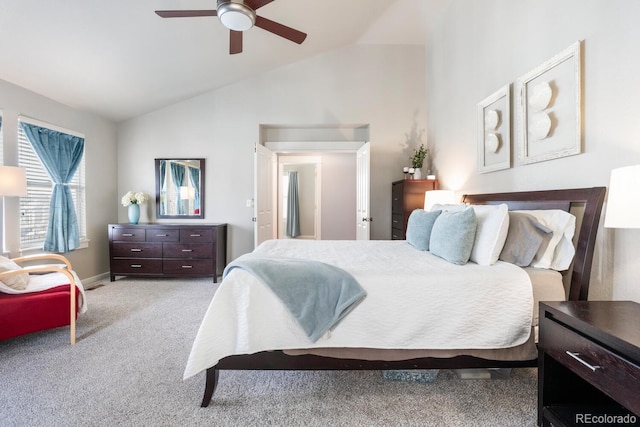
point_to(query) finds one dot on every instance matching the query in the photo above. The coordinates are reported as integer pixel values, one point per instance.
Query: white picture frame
(494, 131)
(549, 102)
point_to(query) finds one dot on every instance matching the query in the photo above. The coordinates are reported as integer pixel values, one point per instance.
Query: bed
(232, 336)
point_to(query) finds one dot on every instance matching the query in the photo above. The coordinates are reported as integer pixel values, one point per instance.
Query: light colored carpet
(133, 343)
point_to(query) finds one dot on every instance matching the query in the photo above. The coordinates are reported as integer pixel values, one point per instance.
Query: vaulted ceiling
(118, 59)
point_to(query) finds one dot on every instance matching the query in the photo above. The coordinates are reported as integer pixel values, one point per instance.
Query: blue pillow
(419, 228)
(453, 235)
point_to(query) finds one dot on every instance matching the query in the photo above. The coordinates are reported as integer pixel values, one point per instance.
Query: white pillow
(493, 227)
(560, 251)
(18, 281)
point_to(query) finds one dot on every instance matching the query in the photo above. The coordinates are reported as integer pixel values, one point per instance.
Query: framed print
(494, 131)
(550, 108)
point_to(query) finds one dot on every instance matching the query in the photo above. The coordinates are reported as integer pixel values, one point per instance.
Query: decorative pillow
(526, 235)
(18, 281)
(560, 251)
(453, 234)
(419, 228)
(493, 226)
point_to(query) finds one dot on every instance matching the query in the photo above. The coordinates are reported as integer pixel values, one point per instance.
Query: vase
(417, 174)
(134, 213)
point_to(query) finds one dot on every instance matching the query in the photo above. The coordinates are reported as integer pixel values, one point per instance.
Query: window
(34, 208)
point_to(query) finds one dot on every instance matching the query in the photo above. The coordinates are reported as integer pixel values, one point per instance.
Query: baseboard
(93, 282)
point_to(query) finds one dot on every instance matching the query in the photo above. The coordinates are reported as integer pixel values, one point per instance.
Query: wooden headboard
(585, 203)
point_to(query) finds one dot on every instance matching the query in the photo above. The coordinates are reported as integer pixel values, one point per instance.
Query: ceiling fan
(239, 16)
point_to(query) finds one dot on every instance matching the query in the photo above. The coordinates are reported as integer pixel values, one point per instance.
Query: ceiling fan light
(236, 16)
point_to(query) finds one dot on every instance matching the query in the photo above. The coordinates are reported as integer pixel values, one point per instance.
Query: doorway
(307, 207)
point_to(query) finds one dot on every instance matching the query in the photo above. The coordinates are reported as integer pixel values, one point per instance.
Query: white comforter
(414, 301)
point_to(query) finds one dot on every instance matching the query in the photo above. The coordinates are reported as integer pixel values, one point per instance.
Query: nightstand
(589, 363)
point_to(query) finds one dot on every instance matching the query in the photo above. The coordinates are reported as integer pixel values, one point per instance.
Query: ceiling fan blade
(185, 13)
(257, 4)
(235, 42)
(280, 30)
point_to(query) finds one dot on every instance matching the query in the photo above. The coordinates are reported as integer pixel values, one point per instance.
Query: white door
(363, 218)
(264, 190)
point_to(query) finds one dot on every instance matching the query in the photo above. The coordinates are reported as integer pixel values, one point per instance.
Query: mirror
(180, 188)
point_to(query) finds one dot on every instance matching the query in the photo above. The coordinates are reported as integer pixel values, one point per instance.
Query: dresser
(407, 195)
(589, 363)
(171, 250)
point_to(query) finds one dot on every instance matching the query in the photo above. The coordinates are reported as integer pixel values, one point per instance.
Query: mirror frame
(202, 189)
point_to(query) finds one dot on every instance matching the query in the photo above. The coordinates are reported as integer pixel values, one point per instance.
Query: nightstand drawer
(611, 373)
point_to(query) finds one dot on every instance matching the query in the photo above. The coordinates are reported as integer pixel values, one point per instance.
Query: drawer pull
(136, 265)
(194, 235)
(588, 365)
(187, 266)
(136, 250)
(127, 234)
(162, 235)
(187, 250)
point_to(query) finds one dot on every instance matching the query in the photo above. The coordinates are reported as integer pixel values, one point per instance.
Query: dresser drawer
(137, 250)
(397, 234)
(194, 235)
(136, 266)
(396, 221)
(614, 375)
(187, 250)
(162, 235)
(129, 234)
(188, 266)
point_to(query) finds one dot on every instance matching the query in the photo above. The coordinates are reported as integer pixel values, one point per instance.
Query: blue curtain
(60, 155)
(194, 174)
(177, 174)
(163, 186)
(293, 207)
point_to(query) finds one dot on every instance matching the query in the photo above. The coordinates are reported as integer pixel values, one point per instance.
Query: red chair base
(32, 312)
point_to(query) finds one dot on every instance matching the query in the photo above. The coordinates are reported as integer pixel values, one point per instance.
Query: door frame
(302, 148)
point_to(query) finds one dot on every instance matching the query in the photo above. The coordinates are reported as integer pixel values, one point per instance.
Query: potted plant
(417, 160)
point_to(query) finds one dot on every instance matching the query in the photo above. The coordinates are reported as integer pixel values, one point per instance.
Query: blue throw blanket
(318, 295)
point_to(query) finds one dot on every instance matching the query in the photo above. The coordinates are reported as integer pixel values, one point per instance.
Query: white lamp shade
(623, 204)
(13, 181)
(438, 197)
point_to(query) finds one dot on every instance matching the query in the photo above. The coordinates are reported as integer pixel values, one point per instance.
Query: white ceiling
(118, 59)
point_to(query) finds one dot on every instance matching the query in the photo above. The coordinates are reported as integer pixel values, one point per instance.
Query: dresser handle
(588, 365)
(187, 266)
(187, 250)
(194, 235)
(162, 235)
(136, 250)
(136, 265)
(127, 234)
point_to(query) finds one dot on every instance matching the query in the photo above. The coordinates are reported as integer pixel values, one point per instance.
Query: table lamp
(438, 197)
(623, 204)
(13, 182)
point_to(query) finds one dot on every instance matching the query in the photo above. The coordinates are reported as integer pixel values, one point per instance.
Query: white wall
(339, 196)
(480, 46)
(100, 157)
(380, 86)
